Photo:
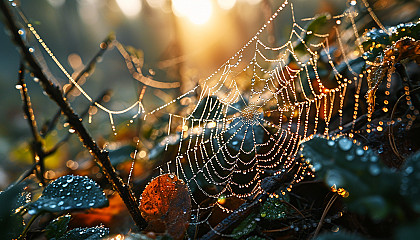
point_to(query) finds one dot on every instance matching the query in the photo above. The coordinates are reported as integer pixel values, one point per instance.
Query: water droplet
(78, 204)
(60, 203)
(32, 211)
(409, 170)
(317, 166)
(374, 170)
(70, 180)
(345, 144)
(373, 158)
(349, 157)
(88, 187)
(360, 152)
(333, 177)
(234, 143)
(331, 143)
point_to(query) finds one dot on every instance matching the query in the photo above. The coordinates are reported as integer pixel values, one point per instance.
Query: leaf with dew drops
(245, 227)
(57, 228)
(368, 186)
(69, 193)
(11, 223)
(275, 208)
(166, 202)
(92, 233)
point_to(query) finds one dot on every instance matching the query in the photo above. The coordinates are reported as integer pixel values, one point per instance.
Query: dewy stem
(100, 156)
(28, 225)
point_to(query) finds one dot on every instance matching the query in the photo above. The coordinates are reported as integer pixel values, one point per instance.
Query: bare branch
(36, 144)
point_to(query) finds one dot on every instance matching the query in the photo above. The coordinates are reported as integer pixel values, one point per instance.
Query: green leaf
(274, 208)
(255, 238)
(410, 181)
(11, 223)
(372, 187)
(57, 228)
(245, 227)
(409, 231)
(341, 235)
(69, 193)
(92, 233)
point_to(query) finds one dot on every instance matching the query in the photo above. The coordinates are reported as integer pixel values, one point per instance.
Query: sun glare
(130, 8)
(226, 4)
(197, 11)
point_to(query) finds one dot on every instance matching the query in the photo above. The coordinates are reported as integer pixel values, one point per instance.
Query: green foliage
(255, 238)
(11, 223)
(410, 181)
(343, 164)
(57, 228)
(340, 235)
(245, 227)
(92, 233)
(409, 231)
(69, 193)
(274, 208)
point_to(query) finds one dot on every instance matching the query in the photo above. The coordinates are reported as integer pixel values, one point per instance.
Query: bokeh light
(197, 11)
(226, 4)
(130, 8)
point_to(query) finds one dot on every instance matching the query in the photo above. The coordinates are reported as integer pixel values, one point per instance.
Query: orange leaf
(166, 205)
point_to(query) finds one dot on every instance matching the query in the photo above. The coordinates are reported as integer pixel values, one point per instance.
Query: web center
(250, 114)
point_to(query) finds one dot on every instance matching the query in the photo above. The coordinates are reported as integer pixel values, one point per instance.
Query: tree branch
(100, 156)
(36, 143)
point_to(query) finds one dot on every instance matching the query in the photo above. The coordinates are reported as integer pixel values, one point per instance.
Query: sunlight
(197, 11)
(226, 4)
(130, 8)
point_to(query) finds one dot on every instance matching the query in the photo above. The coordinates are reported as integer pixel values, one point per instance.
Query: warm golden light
(197, 11)
(226, 4)
(130, 8)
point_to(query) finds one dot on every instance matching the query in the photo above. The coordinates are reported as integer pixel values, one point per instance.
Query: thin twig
(293, 207)
(100, 156)
(327, 208)
(67, 137)
(390, 129)
(50, 125)
(36, 143)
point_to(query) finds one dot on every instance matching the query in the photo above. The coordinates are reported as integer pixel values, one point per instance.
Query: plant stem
(100, 156)
(36, 144)
(28, 225)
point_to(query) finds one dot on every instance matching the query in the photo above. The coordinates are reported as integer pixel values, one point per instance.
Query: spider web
(247, 120)
(252, 114)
